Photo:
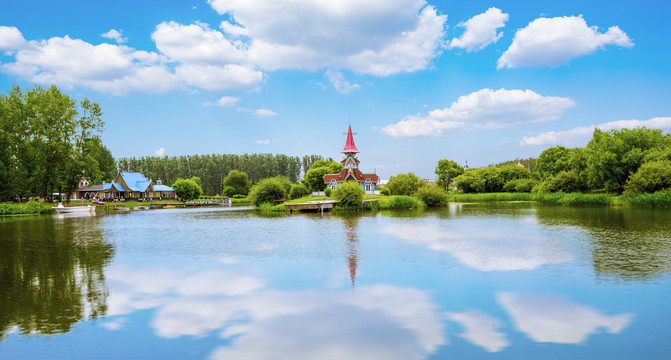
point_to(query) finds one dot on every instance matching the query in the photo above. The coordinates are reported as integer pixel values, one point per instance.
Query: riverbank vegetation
(31, 207)
(48, 142)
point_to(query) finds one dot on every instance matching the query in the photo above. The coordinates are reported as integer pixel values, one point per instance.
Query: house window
(368, 185)
(333, 184)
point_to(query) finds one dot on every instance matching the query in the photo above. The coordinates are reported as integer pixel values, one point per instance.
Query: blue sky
(420, 81)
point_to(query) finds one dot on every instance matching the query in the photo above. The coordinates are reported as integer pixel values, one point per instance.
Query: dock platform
(320, 206)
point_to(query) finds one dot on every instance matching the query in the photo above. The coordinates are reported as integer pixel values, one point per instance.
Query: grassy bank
(490, 197)
(383, 203)
(660, 199)
(28, 208)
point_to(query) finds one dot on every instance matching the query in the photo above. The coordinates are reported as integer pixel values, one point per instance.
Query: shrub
(237, 182)
(404, 184)
(520, 185)
(432, 195)
(238, 196)
(470, 182)
(405, 202)
(298, 191)
(187, 189)
(230, 191)
(385, 191)
(328, 191)
(266, 190)
(564, 181)
(650, 177)
(349, 193)
(659, 199)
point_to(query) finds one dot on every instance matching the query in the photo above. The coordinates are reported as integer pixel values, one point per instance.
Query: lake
(471, 281)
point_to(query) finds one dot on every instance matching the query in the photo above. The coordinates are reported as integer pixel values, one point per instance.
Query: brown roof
(358, 175)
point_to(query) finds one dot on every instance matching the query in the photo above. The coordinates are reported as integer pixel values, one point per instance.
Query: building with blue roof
(128, 185)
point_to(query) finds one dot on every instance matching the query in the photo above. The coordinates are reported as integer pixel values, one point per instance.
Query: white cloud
(110, 68)
(488, 250)
(373, 37)
(226, 101)
(263, 142)
(340, 83)
(484, 109)
(554, 41)
(581, 135)
(552, 318)
(11, 38)
(115, 35)
(219, 78)
(196, 43)
(480, 30)
(159, 152)
(481, 329)
(265, 113)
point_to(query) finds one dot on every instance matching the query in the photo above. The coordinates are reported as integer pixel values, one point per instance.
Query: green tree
(553, 160)
(613, 155)
(404, 184)
(470, 182)
(349, 193)
(513, 172)
(49, 141)
(267, 190)
(566, 181)
(314, 177)
(238, 181)
(650, 177)
(106, 165)
(447, 171)
(298, 191)
(187, 189)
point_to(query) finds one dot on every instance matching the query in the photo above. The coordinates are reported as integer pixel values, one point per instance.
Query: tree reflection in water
(51, 274)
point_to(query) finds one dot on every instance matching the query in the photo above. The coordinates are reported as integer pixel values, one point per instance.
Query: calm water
(475, 281)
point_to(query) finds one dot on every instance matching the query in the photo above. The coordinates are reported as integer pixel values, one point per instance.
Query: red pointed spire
(349, 145)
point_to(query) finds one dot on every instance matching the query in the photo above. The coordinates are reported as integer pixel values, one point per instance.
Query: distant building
(350, 171)
(128, 186)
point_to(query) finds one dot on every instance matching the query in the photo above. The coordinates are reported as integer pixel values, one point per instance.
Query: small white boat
(60, 209)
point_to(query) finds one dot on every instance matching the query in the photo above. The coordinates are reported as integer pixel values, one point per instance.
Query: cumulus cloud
(11, 38)
(480, 30)
(263, 142)
(579, 136)
(220, 78)
(373, 37)
(484, 109)
(340, 83)
(160, 152)
(115, 35)
(554, 41)
(552, 318)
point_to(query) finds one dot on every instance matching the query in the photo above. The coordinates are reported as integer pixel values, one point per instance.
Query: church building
(350, 169)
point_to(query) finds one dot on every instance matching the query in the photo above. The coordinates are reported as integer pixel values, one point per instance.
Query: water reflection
(380, 321)
(350, 221)
(499, 247)
(481, 329)
(553, 318)
(51, 275)
(628, 242)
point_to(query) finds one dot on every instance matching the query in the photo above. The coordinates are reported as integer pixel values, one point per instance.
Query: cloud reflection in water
(492, 249)
(375, 322)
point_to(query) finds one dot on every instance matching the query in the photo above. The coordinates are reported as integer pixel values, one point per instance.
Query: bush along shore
(659, 199)
(29, 208)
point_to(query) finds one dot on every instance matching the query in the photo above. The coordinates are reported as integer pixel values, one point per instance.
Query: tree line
(213, 169)
(616, 161)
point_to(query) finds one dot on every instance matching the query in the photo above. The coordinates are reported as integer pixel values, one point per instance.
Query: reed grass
(31, 207)
(659, 199)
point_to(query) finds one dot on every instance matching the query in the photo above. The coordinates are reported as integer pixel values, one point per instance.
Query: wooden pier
(311, 206)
